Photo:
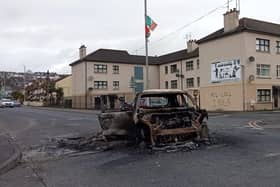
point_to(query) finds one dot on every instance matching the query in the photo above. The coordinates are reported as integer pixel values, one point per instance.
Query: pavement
(10, 153)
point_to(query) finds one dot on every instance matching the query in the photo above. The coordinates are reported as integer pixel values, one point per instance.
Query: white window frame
(189, 65)
(262, 45)
(172, 84)
(278, 47)
(116, 85)
(172, 70)
(190, 82)
(100, 85)
(278, 71)
(259, 100)
(100, 68)
(116, 69)
(260, 68)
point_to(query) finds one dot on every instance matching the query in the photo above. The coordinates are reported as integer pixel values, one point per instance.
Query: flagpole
(146, 48)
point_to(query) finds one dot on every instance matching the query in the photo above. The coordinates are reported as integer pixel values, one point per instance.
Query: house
(65, 83)
(240, 65)
(107, 75)
(236, 68)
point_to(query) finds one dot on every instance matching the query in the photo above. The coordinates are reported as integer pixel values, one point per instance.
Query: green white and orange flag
(150, 26)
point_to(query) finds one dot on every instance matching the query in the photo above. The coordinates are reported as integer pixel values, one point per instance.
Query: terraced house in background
(236, 68)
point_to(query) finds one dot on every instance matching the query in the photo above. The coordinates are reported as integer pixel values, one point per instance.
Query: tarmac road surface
(247, 153)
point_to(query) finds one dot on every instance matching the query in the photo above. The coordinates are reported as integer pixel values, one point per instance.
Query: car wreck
(157, 118)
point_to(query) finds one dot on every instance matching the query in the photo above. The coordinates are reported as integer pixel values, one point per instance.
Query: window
(262, 45)
(278, 71)
(190, 82)
(166, 69)
(189, 65)
(166, 84)
(173, 68)
(174, 84)
(197, 64)
(100, 85)
(139, 87)
(116, 69)
(277, 46)
(138, 73)
(198, 81)
(116, 85)
(263, 70)
(100, 68)
(264, 95)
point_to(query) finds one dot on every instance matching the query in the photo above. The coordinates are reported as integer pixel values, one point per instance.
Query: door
(276, 96)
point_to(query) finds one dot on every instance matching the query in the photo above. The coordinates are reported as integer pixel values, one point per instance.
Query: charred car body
(157, 117)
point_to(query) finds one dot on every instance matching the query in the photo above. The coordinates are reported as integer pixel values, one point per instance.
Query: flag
(150, 26)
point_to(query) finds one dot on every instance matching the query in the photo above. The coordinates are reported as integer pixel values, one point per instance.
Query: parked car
(6, 103)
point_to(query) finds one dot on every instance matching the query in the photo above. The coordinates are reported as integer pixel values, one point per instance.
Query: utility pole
(146, 47)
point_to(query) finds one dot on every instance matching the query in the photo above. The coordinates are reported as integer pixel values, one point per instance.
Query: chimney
(231, 20)
(83, 51)
(191, 45)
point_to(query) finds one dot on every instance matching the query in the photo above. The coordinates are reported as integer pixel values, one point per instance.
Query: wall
(126, 71)
(181, 65)
(78, 85)
(66, 85)
(225, 95)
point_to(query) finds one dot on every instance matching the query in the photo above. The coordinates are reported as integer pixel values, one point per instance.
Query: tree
(17, 95)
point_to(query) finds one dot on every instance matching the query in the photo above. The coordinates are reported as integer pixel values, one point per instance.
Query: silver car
(6, 103)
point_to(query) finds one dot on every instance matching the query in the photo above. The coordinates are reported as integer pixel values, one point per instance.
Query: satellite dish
(251, 59)
(251, 78)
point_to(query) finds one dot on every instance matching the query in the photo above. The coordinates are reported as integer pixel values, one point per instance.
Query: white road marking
(254, 125)
(272, 155)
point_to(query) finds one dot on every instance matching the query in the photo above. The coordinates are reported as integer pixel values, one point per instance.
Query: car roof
(162, 91)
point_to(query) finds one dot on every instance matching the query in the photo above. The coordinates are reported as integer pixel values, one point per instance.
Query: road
(247, 153)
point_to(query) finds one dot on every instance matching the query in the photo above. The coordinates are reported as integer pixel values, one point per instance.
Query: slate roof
(178, 55)
(248, 25)
(123, 57)
(116, 56)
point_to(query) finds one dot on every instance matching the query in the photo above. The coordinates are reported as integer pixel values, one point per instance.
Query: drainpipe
(243, 87)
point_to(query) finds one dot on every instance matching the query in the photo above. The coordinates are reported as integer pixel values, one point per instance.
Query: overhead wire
(186, 25)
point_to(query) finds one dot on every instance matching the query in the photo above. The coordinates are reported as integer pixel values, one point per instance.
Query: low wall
(33, 103)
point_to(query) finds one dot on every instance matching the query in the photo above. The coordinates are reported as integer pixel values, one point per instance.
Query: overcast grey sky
(46, 34)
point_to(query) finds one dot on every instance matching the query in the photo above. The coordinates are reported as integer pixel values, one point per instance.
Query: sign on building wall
(226, 71)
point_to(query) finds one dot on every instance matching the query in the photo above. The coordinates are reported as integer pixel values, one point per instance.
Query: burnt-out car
(158, 117)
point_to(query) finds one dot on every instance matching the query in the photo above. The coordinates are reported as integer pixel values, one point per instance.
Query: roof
(63, 77)
(162, 91)
(123, 57)
(116, 56)
(248, 25)
(178, 55)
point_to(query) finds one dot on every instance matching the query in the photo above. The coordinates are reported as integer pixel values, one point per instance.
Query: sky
(46, 34)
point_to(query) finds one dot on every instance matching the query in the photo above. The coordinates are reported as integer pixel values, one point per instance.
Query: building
(236, 68)
(66, 85)
(109, 76)
(240, 65)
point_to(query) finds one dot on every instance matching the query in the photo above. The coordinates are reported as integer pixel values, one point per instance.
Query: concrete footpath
(10, 154)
